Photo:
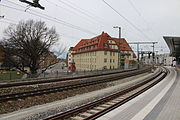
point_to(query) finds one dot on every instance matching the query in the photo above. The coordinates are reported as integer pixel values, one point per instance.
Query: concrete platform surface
(162, 102)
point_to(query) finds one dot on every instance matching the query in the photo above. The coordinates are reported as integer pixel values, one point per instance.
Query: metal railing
(10, 76)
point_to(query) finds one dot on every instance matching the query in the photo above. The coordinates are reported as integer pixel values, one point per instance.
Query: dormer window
(105, 45)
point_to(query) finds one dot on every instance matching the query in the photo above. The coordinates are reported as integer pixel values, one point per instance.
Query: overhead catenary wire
(128, 21)
(91, 14)
(137, 11)
(50, 18)
(3, 19)
(73, 12)
(79, 10)
(7, 22)
(131, 3)
(72, 37)
(92, 20)
(64, 23)
(10, 21)
(98, 19)
(65, 35)
(140, 15)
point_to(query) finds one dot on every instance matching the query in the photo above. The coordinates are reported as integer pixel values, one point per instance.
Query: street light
(119, 30)
(119, 51)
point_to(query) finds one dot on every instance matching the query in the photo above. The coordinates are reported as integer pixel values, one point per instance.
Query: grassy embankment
(10, 75)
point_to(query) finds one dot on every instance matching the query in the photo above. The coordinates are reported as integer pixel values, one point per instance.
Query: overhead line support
(138, 43)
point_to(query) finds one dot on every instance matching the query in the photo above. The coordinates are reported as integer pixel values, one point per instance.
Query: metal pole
(142, 43)
(119, 47)
(138, 54)
(119, 43)
(153, 57)
(119, 32)
(153, 53)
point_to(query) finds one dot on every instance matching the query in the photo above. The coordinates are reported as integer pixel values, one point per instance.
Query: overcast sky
(141, 20)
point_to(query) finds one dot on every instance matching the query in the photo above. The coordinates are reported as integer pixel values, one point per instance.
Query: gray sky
(152, 18)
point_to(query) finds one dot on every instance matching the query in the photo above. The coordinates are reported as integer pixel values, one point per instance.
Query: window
(113, 53)
(110, 60)
(110, 41)
(105, 45)
(105, 60)
(110, 53)
(105, 52)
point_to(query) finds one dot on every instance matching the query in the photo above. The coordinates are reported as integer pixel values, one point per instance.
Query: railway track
(22, 83)
(102, 106)
(21, 95)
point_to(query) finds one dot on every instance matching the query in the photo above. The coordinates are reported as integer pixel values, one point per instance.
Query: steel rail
(21, 95)
(99, 114)
(73, 112)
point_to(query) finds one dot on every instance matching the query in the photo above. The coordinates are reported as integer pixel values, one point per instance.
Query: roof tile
(100, 42)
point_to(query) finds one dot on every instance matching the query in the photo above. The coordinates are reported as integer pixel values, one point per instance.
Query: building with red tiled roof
(101, 52)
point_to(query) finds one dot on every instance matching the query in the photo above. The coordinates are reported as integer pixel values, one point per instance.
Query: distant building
(58, 67)
(100, 52)
(71, 63)
(48, 60)
(162, 59)
(69, 56)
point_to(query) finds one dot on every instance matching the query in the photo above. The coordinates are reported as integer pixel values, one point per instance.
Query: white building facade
(162, 59)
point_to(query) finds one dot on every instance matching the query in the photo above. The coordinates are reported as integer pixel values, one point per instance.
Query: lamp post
(119, 51)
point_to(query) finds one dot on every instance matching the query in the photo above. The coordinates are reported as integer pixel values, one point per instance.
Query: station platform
(161, 102)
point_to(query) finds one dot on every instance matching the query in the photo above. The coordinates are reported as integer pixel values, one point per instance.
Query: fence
(77, 73)
(12, 75)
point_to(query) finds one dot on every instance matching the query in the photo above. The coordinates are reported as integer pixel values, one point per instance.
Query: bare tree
(28, 44)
